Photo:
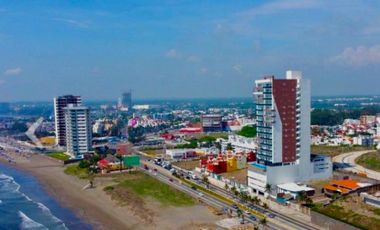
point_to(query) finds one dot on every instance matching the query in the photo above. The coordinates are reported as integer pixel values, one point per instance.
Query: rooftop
(293, 187)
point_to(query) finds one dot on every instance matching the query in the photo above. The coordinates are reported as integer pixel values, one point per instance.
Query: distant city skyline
(185, 49)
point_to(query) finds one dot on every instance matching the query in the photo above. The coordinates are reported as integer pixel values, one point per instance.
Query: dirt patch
(137, 205)
(238, 175)
(187, 165)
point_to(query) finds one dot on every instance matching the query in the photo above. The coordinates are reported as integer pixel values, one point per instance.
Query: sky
(185, 49)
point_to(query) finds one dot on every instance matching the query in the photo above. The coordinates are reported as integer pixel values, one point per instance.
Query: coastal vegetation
(59, 155)
(336, 150)
(138, 184)
(370, 160)
(76, 170)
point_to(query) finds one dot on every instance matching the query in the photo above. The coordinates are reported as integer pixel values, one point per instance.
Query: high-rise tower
(78, 130)
(283, 131)
(60, 127)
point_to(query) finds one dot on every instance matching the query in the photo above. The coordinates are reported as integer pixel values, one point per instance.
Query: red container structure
(217, 165)
(251, 157)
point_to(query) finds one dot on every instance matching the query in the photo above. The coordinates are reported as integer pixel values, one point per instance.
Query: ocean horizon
(24, 204)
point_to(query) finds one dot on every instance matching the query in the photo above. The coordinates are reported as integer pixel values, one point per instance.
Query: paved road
(348, 160)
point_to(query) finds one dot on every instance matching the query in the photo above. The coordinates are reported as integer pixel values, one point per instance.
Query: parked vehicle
(252, 217)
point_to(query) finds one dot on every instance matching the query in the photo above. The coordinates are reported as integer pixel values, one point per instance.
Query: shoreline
(96, 208)
(67, 191)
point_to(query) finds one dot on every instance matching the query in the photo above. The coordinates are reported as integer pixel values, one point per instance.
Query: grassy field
(144, 186)
(59, 155)
(75, 170)
(335, 150)
(370, 160)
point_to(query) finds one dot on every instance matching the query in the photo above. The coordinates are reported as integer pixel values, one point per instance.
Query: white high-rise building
(78, 130)
(283, 132)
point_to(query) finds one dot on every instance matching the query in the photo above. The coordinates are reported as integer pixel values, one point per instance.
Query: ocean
(24, 204)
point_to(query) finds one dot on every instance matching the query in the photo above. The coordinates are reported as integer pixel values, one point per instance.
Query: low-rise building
(212, 123)
(240, 143)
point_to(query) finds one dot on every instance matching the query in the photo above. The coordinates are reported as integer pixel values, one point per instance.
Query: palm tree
(205, 180)
(268, 188)
(263, 221)
(265, 205)
(233, 189)
(302, 197)
(308, 201)
(226, 186)
(256, 200)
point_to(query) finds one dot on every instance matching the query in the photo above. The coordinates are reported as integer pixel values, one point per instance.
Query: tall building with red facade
(283, 131)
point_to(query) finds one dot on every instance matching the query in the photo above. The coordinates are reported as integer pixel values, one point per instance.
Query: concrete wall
(283, 174)
(329, 223)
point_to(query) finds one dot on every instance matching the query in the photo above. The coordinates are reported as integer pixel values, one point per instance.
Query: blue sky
(185, 49)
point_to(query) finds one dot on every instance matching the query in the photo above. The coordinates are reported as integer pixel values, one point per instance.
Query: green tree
(248, 131)
(302, 197)
(263, 221)
(268, 188)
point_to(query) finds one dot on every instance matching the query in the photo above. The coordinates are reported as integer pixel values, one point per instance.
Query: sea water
(25, 205)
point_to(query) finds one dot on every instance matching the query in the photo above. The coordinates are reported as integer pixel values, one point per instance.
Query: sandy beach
(95, 207)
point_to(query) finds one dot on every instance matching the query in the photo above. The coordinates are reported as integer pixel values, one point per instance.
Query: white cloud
(358, 56)
(193, 58)
(172, 53)
(204, 70)
(238, 68)
(13, 72)
(80, 24)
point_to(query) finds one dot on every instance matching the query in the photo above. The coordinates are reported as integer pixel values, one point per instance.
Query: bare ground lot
(187, 165)
(353, 211)
(238, 175)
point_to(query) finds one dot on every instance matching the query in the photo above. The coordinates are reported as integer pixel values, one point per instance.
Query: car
(200, 194)
(270, 215)
(187, 177)
(146, 167)
(252, 217)
(234, 206)
(171, 180)
(247, 212)
(155, 170)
